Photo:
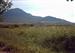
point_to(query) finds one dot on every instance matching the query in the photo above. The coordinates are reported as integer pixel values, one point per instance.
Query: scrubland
(37, 39)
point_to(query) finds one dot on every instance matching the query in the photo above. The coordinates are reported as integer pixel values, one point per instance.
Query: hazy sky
(57, 8)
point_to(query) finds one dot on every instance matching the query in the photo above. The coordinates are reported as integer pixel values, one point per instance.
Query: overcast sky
(57, 8)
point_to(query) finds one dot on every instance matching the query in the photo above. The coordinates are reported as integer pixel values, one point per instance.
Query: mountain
(19, 16)
(54, 20)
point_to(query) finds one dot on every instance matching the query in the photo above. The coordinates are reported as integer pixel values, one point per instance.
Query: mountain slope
(54, 20)
(19, 16)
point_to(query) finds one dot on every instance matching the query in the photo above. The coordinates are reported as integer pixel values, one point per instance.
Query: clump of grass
(60, 44)
(8, 48)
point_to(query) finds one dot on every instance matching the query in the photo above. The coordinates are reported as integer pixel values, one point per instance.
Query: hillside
(19, 16)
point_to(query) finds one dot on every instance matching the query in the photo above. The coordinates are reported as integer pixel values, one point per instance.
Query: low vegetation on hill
(37, 39)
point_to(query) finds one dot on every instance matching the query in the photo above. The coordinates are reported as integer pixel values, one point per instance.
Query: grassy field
(36, 39)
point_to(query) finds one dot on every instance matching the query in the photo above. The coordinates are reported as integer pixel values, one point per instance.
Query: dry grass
(44, 39)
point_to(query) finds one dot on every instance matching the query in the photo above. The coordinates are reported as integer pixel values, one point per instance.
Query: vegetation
(38, 39)
(4, 5)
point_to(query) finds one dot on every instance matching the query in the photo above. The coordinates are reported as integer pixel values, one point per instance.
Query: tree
(70, 0)
(4, 5)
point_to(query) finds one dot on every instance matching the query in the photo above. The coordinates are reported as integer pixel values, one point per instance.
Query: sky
(56, 8)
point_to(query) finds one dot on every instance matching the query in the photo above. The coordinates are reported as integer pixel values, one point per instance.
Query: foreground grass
(47, 39)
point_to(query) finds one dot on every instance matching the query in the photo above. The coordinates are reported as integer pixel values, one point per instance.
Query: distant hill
(54, 20)
(19, 16)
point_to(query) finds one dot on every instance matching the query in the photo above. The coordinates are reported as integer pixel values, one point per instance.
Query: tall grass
(45, 39)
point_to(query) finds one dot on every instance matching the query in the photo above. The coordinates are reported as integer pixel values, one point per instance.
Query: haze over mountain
(19, 16)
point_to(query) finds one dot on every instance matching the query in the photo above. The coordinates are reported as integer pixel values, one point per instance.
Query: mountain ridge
(19, 16)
